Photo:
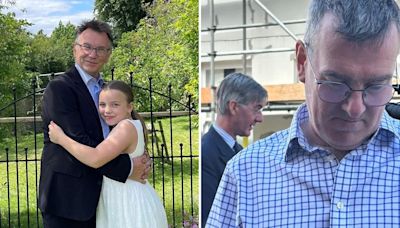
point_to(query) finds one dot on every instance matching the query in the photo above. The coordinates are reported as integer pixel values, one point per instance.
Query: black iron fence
(174, 149)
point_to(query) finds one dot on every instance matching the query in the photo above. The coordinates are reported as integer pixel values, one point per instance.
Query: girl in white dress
(129, 204)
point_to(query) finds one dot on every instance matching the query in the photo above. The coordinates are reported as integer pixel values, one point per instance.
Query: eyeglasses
(337, 92)
(100, 51)
(254, 109)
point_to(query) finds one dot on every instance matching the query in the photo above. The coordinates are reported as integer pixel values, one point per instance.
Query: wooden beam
(27, 119)
(276, 93)
(285, 92)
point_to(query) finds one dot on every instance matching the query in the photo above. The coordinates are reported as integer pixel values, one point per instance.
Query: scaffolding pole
(276, 19)
(212, 67)
(232, 27)
(259, 51)
(244, 39)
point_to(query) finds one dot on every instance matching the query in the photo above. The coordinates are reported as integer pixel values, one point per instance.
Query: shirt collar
(296, 136)
(225, 136)
(390, 124)
(87, 78)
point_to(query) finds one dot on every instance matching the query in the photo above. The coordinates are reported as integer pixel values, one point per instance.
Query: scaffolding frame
(212, 29)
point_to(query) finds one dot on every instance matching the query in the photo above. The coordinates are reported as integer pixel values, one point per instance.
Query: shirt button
(339, 205)
(331, 158)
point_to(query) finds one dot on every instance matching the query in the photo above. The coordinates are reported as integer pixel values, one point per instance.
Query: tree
(54, 53)
(123, 15)
(40, 57)
(163, 47)
(13, 56)
(62, 39)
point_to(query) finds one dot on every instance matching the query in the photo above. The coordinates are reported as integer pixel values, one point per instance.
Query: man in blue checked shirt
(338, 164)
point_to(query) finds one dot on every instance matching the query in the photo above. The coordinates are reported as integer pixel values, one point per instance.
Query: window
(228, 71)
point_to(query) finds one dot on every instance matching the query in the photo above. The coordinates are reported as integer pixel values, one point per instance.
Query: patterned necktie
(237, 147)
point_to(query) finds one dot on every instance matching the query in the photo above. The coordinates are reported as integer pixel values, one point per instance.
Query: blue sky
(46, 14)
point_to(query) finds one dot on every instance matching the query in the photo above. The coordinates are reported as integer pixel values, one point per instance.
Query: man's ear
(233, 107)
(301, 58)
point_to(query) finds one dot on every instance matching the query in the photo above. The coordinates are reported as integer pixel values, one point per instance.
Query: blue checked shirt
(282, 181)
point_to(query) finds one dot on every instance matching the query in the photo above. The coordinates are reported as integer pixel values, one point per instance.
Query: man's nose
(259, 117)
(93, 53)
(354, 104)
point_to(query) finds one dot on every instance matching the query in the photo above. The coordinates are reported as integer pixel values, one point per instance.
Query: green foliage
(40, 60)
(123, 15)
(164, 47)
(13, 52)
(62, 39)
(54, 53)
(23, 55)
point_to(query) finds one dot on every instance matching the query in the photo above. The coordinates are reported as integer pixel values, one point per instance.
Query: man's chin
(245, 134)
(91, 70)
(345, 144)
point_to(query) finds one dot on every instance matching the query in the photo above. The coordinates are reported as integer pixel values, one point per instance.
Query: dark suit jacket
(215, 153)
(68, 188)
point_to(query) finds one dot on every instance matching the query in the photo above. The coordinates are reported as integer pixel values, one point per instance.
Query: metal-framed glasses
(100, 51)
(253, 109)
(337, 92)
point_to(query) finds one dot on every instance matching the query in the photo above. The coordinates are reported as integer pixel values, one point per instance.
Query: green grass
(181, 185)
(162, 173)
(180, 134)
(17, 190)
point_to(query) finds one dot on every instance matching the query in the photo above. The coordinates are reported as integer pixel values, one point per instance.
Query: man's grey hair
(96, 25)
(240, 88)
(357, 20)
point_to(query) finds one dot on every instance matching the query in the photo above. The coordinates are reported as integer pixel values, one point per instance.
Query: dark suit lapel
(224, 149)
(81, 88)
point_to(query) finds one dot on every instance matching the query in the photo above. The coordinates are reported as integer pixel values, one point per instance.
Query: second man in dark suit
(240, 100)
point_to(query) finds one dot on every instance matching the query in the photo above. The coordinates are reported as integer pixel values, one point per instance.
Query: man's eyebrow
(382, 78)
(95, 47)
(344, 77)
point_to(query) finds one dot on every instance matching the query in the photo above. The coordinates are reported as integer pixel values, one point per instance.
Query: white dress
(130, 204)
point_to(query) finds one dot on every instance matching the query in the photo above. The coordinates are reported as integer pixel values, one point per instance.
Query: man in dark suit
(69, 190)
(240, 100)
